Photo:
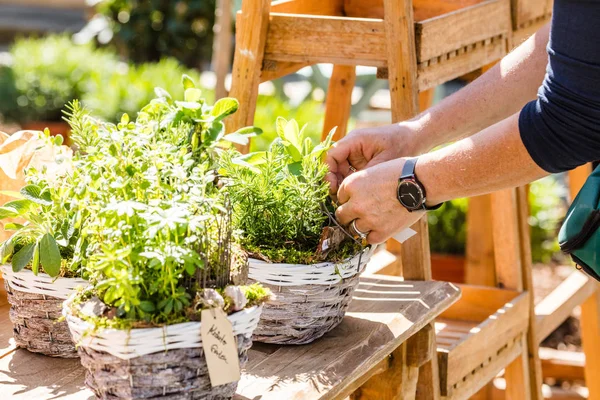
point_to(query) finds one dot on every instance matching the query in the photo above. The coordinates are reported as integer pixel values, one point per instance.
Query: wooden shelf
(448, 45)
(479, 336)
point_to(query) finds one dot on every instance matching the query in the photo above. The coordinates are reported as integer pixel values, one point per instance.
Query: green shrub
(448, 227)
(309, 113)
(47, 73)
(149, 30)
(132, 87)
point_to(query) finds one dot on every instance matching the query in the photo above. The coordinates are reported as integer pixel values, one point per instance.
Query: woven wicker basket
(135, 364)
(35, 305)
(308, 300)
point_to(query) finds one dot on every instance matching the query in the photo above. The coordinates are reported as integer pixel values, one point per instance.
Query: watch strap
(408, 169)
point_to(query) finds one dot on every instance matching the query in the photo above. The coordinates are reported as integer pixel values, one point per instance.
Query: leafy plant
(448, 227)
(309, 114)
(131, 87)
(46, 73)
(47, 238)
(158, 229)
(279, 195)
(148, 30)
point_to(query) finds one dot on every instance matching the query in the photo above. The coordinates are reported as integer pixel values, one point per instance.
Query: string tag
(220, 347)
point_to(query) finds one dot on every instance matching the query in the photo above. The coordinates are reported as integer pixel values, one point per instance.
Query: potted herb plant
(160, 254)
(37, 260)
(295, 246)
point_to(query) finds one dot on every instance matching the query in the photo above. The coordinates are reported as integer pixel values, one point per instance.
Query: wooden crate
(450, 40)
(478, 336)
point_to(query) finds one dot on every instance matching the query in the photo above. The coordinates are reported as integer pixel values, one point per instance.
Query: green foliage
(47, 73)
(148, 30)
(49, 235)
(309, 114)
(157, 227)
(131, 87)
(278, 195)
(546, 213)
(448, 227)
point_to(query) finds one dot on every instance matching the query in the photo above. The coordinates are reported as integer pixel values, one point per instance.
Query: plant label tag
(220, 347)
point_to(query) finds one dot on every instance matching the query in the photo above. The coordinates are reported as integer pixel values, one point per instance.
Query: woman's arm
(491, 160)
(497, 94)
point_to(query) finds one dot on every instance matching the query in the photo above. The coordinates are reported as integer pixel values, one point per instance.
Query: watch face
(410, 195)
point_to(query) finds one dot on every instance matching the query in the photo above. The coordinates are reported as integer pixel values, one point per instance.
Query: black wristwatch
(411, 193)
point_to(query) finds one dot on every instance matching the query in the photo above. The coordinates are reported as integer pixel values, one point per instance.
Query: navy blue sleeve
(561, 129)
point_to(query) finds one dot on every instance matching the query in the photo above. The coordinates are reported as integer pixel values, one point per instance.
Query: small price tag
(220, 347)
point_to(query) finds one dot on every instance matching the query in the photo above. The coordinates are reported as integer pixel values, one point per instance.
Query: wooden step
(559, 304)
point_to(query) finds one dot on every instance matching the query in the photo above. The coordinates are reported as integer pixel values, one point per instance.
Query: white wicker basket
(166, 362)
(35, 307)
(26, 281)
(308, 300)
(128, 344)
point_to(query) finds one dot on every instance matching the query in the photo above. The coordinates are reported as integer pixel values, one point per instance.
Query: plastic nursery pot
(154, 362)
(308, 300)
(35, 306)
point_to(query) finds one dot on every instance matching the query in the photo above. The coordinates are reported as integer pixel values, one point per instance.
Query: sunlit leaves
(49, 255)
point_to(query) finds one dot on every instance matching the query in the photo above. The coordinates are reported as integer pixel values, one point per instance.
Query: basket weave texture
(35, 306)
(148, 363)
(308, 300)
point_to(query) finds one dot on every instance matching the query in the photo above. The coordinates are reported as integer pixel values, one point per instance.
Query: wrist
(417, 136)
(425, 171)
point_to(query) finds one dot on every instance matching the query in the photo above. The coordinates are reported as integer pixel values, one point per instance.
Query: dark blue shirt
(561, 129)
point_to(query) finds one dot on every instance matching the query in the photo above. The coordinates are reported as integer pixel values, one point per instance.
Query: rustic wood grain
(252, 24)
(339, 100)
(385, 312)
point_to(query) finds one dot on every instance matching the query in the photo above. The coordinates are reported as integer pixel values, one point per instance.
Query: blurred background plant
(43, 74)
(149, 30)
(132, 86)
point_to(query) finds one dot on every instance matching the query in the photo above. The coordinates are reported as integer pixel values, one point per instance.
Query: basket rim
(323, 273)
(42, 283)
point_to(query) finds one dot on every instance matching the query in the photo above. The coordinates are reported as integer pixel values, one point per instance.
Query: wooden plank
(272, 70)
(590, 339)
(480, 262)
(577, 178)
(477, 303)
(448, 32)
(562, 365)
(432, 74)
(531, 345)
(506, 233)
(398, 371)
(222, 45)
(526, 11)
(323, 39)
(383, 262)
(385, 312)
(252, 24)
(488, 338)
(26, 375)
(313, 7)
(339, 100)
(522, 34)
(423, 9)
(486, 372)
(7, 343)
(555, 308)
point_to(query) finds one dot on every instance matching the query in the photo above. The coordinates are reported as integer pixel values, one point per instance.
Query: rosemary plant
(280, 197)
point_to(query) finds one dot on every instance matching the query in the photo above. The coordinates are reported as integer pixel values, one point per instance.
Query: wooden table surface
(384, 313)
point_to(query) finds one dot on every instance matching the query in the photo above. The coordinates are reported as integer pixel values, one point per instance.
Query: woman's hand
(364, 148)
(369, 197)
